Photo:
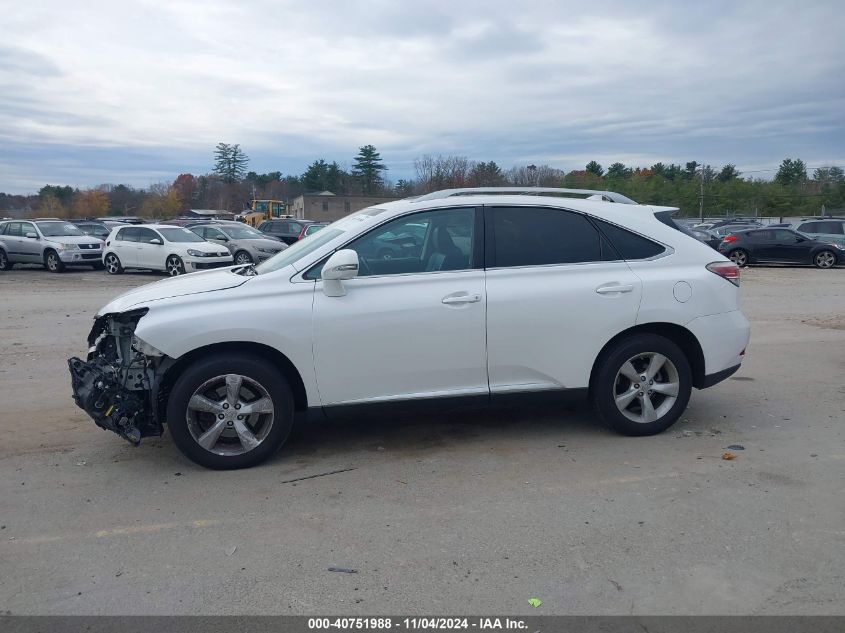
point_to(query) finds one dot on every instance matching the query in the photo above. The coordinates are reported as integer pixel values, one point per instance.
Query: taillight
(726, 270)
(729, 238)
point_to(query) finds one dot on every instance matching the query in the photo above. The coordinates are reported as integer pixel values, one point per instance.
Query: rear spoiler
(664, 214)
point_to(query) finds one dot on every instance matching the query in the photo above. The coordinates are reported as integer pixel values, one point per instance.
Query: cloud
(153, 85)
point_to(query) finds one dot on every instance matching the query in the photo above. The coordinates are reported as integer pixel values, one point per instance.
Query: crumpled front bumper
(114, 386)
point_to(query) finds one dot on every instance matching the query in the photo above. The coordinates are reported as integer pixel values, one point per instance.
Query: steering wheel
(364, 267)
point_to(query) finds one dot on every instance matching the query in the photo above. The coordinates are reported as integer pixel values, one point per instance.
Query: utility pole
(701, 197)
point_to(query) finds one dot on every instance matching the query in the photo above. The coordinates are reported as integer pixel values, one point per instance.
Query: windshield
(180, 235)
(59, 229)
(311, 243)
(242, 232)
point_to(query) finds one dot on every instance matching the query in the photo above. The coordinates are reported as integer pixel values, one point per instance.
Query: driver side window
(430, 241)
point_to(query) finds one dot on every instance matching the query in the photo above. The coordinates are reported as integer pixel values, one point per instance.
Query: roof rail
(592, 194)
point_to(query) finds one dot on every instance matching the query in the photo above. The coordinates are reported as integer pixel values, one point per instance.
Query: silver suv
(830, 230)
(52, 243)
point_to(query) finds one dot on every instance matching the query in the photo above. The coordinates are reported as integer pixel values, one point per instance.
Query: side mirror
(342, 265)
(32, 236)
(156, 241)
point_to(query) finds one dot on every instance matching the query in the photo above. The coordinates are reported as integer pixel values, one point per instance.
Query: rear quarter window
(629, 245)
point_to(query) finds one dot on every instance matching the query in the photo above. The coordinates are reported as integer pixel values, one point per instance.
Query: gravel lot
(466, 512)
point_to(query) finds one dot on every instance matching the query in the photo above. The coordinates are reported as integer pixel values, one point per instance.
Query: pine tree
(367, 170)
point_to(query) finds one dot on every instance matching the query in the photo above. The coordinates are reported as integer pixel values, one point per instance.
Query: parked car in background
(829, 229)
(90, 227)
(727, 229)
(708, 237)
(750, 222)
(781, 246)
(287, 230)
(53, 243)
(310, 229)
(247, 245)
(509, 292)
(173, 249)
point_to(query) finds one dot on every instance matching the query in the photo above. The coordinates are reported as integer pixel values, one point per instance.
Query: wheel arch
(678, 334)
(274, 356)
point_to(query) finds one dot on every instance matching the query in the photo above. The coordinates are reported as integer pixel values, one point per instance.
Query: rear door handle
(461, 298)
(610, 289)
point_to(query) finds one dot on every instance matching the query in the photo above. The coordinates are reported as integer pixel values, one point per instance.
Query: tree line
(231, 186)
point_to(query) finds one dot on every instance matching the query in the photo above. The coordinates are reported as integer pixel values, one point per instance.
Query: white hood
(194, 283)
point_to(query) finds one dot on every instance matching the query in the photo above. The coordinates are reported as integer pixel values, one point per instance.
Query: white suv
(487, 294)
(173, 249)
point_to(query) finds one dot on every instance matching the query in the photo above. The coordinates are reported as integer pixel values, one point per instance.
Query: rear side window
(822, 227)
(629, 245)
(536, 236)
(13, 228)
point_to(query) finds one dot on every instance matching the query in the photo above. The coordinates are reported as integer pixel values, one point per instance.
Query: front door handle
(461, 298)
(614, 288)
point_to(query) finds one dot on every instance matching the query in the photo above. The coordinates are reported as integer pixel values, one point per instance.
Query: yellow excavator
(262, 210)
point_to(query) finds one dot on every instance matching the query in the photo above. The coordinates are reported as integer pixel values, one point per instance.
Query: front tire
(642, 385)
(242, 257)
(113, 265)
(53, 262)
(739, 257)
(825, 259)
(174, 266)
(232, 412)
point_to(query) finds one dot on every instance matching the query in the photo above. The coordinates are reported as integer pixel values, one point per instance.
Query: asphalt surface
(460, 513)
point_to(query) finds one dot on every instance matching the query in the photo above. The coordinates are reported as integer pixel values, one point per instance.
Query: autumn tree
(162, 202)
(367, 170)
(230, 162)
(185, 186)
(90, 203)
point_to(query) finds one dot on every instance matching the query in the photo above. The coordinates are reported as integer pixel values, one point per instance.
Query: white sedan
(161, 247)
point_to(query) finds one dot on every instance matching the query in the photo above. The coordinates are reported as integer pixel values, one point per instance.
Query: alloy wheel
(230, 414)
(112, 264)
(825, 259)
(243, 258)
(739, 258)
(174, 266)
(646, 387)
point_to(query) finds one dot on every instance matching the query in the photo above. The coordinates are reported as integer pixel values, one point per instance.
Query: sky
(138, 91)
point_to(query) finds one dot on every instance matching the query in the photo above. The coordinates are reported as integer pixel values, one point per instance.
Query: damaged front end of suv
(117, 384)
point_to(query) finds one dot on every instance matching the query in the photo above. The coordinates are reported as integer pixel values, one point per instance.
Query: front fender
(252, 313)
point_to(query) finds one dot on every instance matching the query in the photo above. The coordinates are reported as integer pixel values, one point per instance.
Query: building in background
(326, 206)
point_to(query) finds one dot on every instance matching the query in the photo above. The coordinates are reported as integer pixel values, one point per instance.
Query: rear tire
(642, 385)
(739, 257)
(825, 259)
(5, 264)
(53, 262)
(196, 407)
(113, 265)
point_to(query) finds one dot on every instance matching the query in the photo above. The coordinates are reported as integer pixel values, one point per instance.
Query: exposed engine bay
(115, 385)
